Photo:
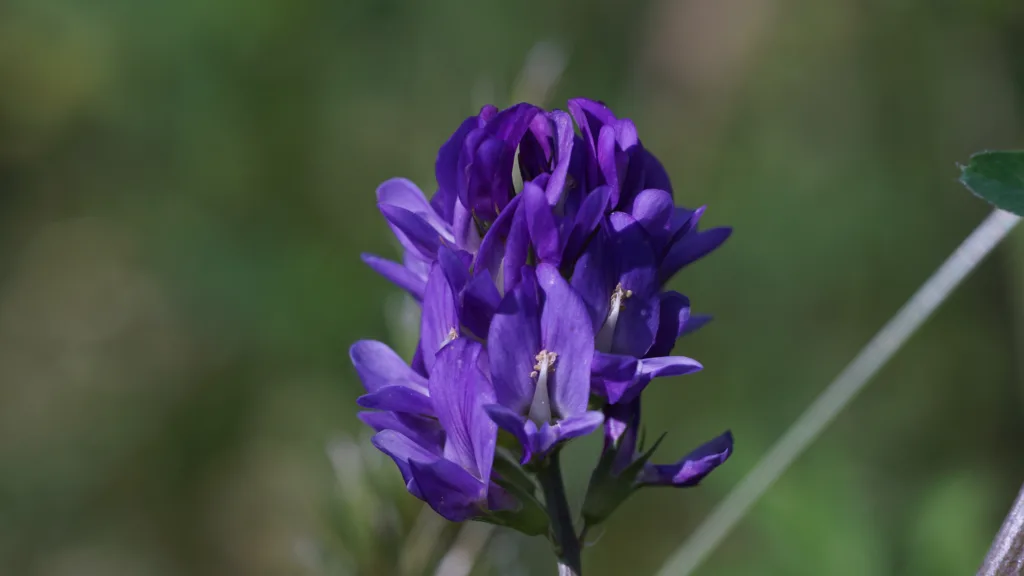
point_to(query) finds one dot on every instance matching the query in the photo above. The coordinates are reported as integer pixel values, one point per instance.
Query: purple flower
(451, 470)
(541, 345)
(544, 311)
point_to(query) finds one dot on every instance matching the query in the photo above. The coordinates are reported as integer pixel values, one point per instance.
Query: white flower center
(603, 342)
(540, 410)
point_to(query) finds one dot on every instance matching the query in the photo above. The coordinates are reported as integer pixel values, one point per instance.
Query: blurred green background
(185, 188)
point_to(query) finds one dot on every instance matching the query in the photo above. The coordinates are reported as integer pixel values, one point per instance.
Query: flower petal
(693, 468)
(426, 432)
(563, 156)
(403, 277)
(653, 209)
(636, 323)
(455, 266)
(514, 424)
(513, 342)
(690, 248)
(397, 399)
(673, 317)
(446, 168)
(655, 175)
(451, 491)
(402, 193)
(540, 220)
(379, 366)
(413, 231)
(459, 390)
(480, 300)
(586, 221)
(695, 322)
(593, 279)
(566, 330)
(489, 256)
(612, 374)
(439, 323)
(403, 450)
(517, 249)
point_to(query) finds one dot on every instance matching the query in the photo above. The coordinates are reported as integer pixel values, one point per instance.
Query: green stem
(563, 534)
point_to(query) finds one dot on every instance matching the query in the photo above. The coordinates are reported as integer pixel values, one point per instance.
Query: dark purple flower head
(544, 311)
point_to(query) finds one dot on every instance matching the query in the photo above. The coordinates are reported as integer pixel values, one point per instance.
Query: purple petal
(621, 424)
(579, 425)
(634, 255)
(612, 374)
(586, 221)
(695, 322)
(668, 366)
(636, 327)
(540, 221)
(655, 175)
(446, 168)
(413, 231)
(480, 301)
(492, 157)
(463, 228)
(690, 248)
(693, 468)
(379, 366)
(459, 390)
(397, 399)
(512, 345)
(653, 209)
(606, 159)
(402, 277)
(514, 424)
(674, 314)
(563, 156)
(402, 193)
(451, 491)
(665, 366)
(517, 249)
(535, 151)
(635, 319)
(455, 266)
(566, 330)
(594, 279)
(439, 323)
(403, 451)
(489, 186)
(423, 431)
(490, 254)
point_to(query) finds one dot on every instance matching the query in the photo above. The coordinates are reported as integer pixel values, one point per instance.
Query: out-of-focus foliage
(185, 188)
(998, 177)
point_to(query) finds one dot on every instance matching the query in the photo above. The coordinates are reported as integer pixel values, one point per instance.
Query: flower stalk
(563, 533)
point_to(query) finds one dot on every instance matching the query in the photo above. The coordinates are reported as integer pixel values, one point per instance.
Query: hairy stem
(1006, 557)
(563, 534)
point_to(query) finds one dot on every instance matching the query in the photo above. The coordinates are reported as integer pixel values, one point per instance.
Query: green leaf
(997, 177)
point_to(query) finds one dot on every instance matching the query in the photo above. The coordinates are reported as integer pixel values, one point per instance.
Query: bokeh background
(185, 188)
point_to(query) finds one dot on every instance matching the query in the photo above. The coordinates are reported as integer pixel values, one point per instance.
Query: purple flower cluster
(543, 310)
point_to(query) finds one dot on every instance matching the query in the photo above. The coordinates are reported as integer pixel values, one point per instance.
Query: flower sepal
(529, 516)
(610, 487)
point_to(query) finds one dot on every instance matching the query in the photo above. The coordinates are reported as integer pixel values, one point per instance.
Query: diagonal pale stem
(1006, 557)
(839, 393)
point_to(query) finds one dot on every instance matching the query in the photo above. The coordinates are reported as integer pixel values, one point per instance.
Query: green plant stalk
(563, 533)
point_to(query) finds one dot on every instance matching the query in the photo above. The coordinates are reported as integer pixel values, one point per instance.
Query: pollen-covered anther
(452, 335)
(545, 362)
(619, 295)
